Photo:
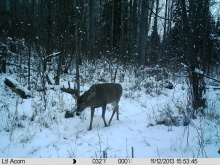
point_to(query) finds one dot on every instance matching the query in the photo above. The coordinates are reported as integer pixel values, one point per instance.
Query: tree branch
(202, 74)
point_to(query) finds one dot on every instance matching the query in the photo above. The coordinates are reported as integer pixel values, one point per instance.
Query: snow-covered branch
(17, 88)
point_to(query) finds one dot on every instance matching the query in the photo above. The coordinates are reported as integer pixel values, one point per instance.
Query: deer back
(100, 94)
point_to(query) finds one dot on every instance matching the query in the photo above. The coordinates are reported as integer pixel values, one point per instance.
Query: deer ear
(92, 92)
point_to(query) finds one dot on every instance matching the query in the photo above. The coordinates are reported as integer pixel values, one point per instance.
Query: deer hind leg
(92, 115)
(117, 113)
(103, 115)
(115, 109)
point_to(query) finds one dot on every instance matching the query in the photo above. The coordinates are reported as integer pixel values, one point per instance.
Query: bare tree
(155, 38)
(143, 32)
(190, 30)
(77, 52)
(91, 28)
(122, 32)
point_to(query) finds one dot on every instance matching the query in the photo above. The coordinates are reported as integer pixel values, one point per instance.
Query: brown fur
(99, 95)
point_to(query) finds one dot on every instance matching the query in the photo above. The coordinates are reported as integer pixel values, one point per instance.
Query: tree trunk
(3, 58)
(122, 33)
(155, 38)
(143, 33)
(165, 30)
(134, 29)
(77, 48)
(91, 29)
(192, 52)
(112, 26)
(29, 67)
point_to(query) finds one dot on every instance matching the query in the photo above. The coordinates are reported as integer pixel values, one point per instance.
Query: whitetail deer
(99, 95)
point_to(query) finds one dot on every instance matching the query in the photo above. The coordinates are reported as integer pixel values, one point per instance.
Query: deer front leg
(103, 115)
(117, 113)
(92, 115)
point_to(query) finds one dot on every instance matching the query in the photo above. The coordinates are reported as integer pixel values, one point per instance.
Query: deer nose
(77, 113)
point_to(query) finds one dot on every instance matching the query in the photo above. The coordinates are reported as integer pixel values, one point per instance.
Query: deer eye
(83, 105)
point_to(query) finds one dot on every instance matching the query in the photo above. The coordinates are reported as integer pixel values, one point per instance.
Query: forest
(165, 53)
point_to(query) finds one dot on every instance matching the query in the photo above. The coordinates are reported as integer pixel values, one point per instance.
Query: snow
(198, 71)
(51, 135)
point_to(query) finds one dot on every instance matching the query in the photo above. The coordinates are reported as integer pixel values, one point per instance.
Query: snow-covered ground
(29, 130)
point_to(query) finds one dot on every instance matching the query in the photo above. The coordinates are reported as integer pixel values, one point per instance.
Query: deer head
(85, 100)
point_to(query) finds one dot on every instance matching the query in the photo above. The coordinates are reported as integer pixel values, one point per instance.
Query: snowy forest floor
(151, 119)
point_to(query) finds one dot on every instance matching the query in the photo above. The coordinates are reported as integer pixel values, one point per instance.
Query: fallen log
(17, 88)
